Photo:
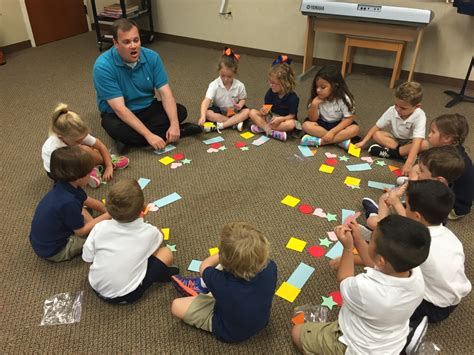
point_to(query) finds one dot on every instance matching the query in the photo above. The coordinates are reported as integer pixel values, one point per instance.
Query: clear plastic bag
(63, 308)
(428, 348)
(312, 313)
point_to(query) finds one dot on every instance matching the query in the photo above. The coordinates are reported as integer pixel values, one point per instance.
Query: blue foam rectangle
(380, 185)
(359, 167)
(299, 277)
(335, 251)
(167, 200)
(167, 149)
(194, 265)
(143, 182)
(213, 140)
(259, 141)
(346, 213)
(306, 151)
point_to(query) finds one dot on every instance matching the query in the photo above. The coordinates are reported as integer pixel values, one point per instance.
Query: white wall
(277, 25)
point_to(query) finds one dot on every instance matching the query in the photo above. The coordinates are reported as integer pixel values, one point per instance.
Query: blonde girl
(68, 129)
(225, 98)
(279, 113)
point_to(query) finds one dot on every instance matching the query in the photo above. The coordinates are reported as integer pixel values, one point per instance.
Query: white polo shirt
(445, 281)
(223, 98)
(376, 310)
(335, 110)
(119, 255)
(53, 142)
(412, 127)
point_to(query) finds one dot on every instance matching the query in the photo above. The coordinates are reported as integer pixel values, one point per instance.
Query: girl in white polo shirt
(224, 103)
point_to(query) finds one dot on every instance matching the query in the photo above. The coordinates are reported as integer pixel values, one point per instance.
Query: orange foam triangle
(230, 112)
(392, 168)
(267, 107)
(298, 319)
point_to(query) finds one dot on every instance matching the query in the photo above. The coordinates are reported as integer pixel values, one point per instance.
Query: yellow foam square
(166, 160)
(353, 150)
(288, 292)
(296, 244)
(213, 251)
(247, 135)
(352, 181)
(290, 201)
(326, 168)
(166, 233)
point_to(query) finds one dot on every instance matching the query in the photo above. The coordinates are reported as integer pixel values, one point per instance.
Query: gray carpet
(216, 188)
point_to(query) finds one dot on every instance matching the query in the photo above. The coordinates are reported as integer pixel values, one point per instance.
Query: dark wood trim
(369, 69)
(17, 46)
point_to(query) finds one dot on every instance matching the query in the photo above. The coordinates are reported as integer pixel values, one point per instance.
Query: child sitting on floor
(279, 114)
(227, 96)
(125, 252)
(61, 223)
(400, 132)
(330, 112)
(242, 292)
(377, 305)
(429, 202)
(452, 130)
(68, 129)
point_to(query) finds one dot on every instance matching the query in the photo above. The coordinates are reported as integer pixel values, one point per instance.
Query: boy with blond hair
(400, 132)
(61, 223)
(242, 292)
(377, 304)
(125, 252)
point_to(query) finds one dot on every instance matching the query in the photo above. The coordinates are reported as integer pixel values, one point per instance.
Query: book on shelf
(116, 8)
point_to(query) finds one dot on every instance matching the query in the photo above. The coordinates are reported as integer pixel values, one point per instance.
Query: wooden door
(52, 20)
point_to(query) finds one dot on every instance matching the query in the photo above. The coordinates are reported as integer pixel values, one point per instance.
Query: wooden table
(408, 33)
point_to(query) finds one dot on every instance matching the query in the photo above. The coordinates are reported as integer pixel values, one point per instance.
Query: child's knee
(165, 255)
(175, 308)
(295, 336)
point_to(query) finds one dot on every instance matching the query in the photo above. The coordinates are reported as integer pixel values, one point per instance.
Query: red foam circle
(306, 209)
(178, 156)
(316, 251)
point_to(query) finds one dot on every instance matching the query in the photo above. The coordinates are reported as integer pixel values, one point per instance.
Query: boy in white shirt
(429, 202)
(125, 252)
(377, 304)
(400, 132)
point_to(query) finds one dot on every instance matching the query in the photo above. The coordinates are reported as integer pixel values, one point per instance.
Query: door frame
(28, 24)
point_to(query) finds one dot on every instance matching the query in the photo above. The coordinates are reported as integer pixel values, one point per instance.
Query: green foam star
(244, 148)
(325, 242)
(380, 163)
(343, 158)
(171, 247)
(328, 302)
(222, 148)
(331, 217)
(186, 161)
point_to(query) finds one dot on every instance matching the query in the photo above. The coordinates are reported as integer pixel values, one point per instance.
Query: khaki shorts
(321, 338)
(72, 249)
(401, 141)
(200, 312)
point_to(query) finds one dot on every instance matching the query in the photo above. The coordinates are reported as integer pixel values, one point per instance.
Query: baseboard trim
(16, 47)
(369, 69)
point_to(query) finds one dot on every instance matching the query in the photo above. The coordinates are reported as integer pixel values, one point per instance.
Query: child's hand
(108, 173)
(264, 111)
(268, 129)
(317, 101)
(275, 121)
(344, 235)
(406, 169)
(394, 195)
(360, 145)
(201, 121)
(355, 229)
(237, 107)
(328, 137)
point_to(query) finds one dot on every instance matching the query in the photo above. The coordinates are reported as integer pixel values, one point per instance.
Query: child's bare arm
(384, 209)
(412, 154)
(313, 111)
(96, 205)
(204, 106)
(394, 199)
(360, 244)
(346, 267)
(212, 260)
(367, 137)
(87, 227)
(240, 104)
(109, 168)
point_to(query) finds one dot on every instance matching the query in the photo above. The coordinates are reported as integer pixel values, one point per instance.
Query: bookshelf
(122, 9)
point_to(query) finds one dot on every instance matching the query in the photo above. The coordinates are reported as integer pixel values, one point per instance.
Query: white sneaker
(418, 335)
(401, 180)
(239, 126)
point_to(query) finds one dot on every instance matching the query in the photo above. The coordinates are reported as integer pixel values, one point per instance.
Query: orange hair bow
(282, 59)
(229, 53)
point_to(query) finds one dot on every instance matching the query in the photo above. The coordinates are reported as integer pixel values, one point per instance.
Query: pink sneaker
(94, 178)
(256, 129)
(280, 135)
(119, 162)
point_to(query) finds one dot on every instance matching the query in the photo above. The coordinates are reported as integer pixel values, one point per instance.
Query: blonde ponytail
(66, 123)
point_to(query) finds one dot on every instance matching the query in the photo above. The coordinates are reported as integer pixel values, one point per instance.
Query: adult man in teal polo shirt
(127, 79)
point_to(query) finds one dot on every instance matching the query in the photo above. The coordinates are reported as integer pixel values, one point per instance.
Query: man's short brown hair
(125, 200)
(410, 92)
(123, 25)
(70, 164)
(244, 251)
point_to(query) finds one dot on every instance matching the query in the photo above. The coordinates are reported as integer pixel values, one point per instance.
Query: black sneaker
(415, 337)
(189, 129)
(379, 151)
(369, 206)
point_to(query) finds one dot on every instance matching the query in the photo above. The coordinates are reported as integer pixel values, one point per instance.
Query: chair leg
(344, 58)
(396, 67)
(351, 56)
(401, 62)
